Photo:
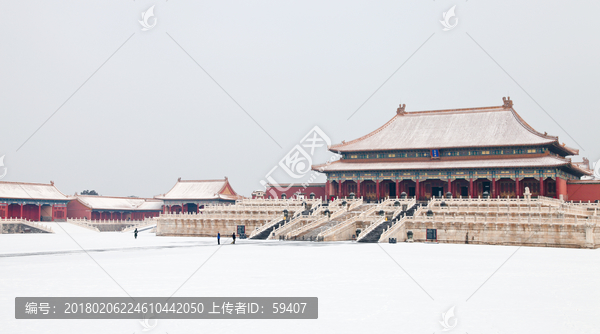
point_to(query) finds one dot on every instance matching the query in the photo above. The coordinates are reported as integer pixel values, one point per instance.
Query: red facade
(583, 191)
(293, 190)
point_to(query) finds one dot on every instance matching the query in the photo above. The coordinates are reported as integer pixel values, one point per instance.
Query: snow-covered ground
(362, 288)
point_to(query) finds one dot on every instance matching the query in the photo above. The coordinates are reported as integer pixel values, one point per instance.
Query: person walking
(233, 236)
(218, 238)
(135, 233)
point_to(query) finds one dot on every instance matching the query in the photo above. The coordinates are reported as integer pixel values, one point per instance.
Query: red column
(327, 185)
(493, 194)
(471, 187)
(339, 188)
(52, 212)
(358, 188)
(39, 212)
(377, 190)
(398, 188)
(542, 186)
(417, 189)
(561, 188)
(517, 187)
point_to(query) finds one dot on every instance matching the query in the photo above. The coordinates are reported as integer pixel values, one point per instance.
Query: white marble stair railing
(141, 224)
(299, 230)
(395, 231)
(26, 222)
(266, 226)
(83, 223)
(370, 228)
(291, 225)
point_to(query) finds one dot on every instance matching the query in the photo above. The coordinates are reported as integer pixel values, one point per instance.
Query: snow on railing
(407, 205)
(219, 216)
(334, 229)
(370, 228)
(144, 223)
(356, 203)
(518, 218)
(83, 223)
(27, 222)
(266, 226)
(289, 226)
(393, 230)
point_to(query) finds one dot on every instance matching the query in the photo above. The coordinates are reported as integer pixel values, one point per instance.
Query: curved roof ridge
(122, 197)
(211, 180)
(456, 110)
(529, 127)
(372, 133)
(28, 183)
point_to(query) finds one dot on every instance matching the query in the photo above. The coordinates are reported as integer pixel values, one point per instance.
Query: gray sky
(150, 114)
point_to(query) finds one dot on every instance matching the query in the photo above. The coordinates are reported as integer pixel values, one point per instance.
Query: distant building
(192, 195)
(464, 152)
(113, 208)
(32, 201)
(295, 190)
(258, 194)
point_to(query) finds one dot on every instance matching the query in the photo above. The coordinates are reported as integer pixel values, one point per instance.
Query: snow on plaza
(398, 288)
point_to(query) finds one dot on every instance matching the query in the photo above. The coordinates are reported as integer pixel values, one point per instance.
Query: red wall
(317, 188)
(77, 210)
(583, 191)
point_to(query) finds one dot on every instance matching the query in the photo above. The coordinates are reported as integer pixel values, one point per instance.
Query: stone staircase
(314, 232)
(265, 230)
(374, 231)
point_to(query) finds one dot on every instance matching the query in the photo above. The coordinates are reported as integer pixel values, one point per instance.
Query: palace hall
(487, 151)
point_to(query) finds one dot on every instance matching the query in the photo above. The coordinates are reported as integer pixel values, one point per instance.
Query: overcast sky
(138, 112)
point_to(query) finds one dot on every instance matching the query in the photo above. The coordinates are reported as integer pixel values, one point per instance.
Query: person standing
(233, 236)
(218, 238)
(135, 233)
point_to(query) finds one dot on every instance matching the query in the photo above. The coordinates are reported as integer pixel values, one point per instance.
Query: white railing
(334, 229)
(370, 228)
(228, 216)
(525, 208)
(505, 219)
(290, 226)
(356, 203)
(393, 230)
(27, 222)
(266, 226)
(146, 222)
(408, 204)
(83, 223)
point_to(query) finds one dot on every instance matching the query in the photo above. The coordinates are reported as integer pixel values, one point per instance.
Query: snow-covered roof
(544, 161)
(22, 190)
(201, 190)
(120, 203)
(473, 127)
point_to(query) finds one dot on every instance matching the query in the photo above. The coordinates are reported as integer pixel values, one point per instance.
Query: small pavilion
(192, 195)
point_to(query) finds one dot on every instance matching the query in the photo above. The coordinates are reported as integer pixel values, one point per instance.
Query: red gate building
(32, 201)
